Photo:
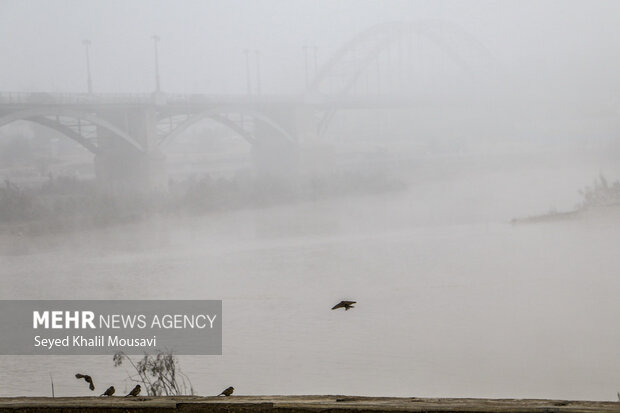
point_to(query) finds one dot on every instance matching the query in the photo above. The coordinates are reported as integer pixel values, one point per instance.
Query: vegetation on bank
(67, 204)
(601, 193)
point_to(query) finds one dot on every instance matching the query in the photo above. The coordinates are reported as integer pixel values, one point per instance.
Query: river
(453, 300)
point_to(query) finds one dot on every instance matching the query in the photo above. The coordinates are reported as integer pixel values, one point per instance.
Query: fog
(562, 46)
(455, 171)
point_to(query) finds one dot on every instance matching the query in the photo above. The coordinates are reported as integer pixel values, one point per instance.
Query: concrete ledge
(290, 404)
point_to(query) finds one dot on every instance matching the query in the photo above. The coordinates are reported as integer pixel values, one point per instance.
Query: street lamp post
(89, 80)
(247, 70)
(305, 49)
(315, 50)
(257, 54)
(155, 42)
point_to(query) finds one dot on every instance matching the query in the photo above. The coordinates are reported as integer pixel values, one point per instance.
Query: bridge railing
(44, 98)
(103, 98)
(22, 98)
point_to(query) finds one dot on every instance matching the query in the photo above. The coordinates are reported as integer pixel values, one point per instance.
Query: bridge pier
(119, 165)
(276, 157)
(308, 158)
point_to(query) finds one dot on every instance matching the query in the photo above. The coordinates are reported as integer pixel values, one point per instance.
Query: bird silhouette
(135, 391)
(109, 392)
(344, 304)
(228, 391)
(87, 378)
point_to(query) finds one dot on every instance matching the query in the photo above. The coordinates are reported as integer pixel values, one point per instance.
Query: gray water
(453, 300)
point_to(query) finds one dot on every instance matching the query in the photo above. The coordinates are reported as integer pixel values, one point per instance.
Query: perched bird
(88, 379)
(109, 392)
(344, 304)
(135, 391)
(228, 391)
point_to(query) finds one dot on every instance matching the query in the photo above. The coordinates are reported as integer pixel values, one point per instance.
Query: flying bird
(87, 378)
(344, 304)
(135, 391)
(228, 391)
(109, 392)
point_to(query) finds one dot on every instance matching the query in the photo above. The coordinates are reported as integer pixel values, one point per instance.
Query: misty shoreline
(65, 204)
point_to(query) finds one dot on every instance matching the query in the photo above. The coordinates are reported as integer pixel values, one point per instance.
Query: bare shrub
(158, 373)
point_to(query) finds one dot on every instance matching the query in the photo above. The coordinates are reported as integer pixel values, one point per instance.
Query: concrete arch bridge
(126, 132)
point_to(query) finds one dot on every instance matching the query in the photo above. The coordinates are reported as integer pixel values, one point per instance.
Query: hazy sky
(202, 42)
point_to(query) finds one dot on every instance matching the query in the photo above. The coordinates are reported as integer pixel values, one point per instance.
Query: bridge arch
(41, 116)
(368, 44)
(219, 115)
(354, 57)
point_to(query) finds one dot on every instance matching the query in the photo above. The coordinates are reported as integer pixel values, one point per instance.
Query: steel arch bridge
(356, 55)
(345, 67)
